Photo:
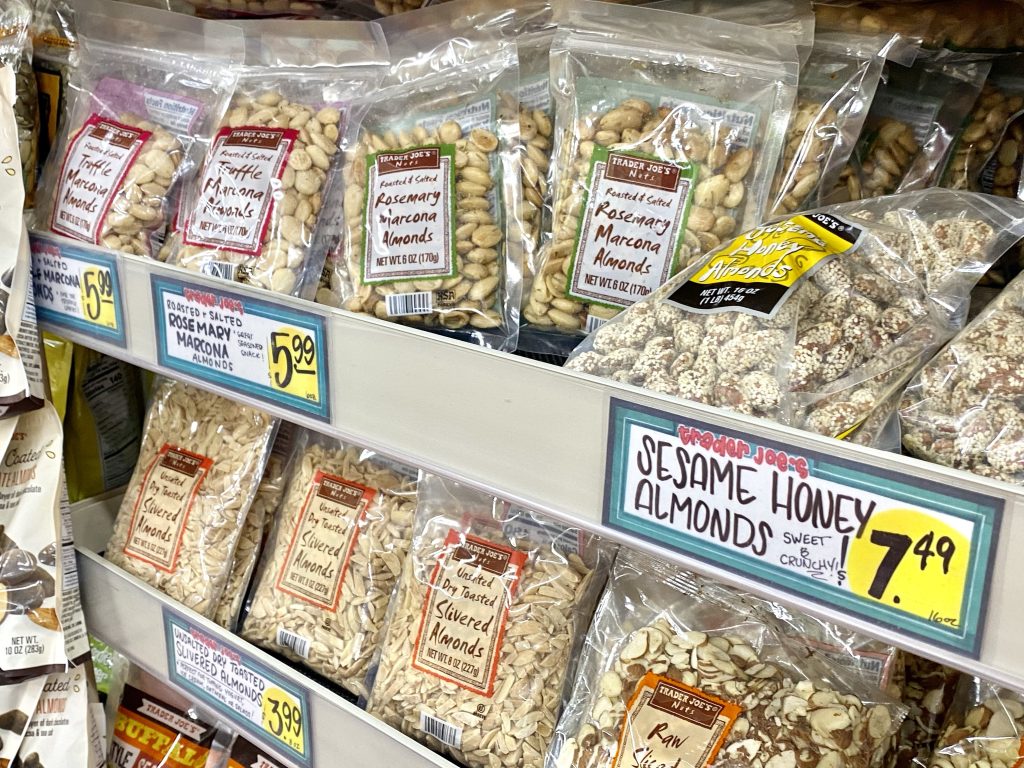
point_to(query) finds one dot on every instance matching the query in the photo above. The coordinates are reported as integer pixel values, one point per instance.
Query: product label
(95, 165)
(736, 126)
(236, 192)
(326, 531)
(671, 724)
(918, 110)
(168, 490)
(410, 210)
(633, 220)
(59, 732)
(535, 93)
(875, 666)
(174, 111)
(471, 589)
(758, 270)
(149, 733)
(108, 391)
(245, 754)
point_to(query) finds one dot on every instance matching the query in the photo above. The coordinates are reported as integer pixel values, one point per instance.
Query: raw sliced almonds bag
(489, 613)
(149, 89)
(928, 691)
(984, 728)
(57, 736)
(662, 150)
(258, 208)
(431, 182)
(342, 533)
(681, 671)
(179, 522)
(818, 320)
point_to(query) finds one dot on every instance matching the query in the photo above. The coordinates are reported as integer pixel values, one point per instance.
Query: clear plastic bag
(830, 330)
(928, 691)
(149, 87)
(662, 150)
(54, 51)
(256, 212)
(16, 53)
(431, 182)
(664, 643)
(179, 522)
(985, 727)
(490, 610)
(342, 533)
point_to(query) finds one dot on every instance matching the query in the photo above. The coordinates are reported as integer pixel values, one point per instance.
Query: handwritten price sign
(283, 718)
(899, 551)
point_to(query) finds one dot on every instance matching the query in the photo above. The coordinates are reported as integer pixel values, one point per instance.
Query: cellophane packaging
(431, 182)
(199, 466)
(491, 607)
(342, 534)
(698, 105)
(818, 320)
(143, 101)
(16, 53)
(57, 735)
(928, 691)
(54, 54)
(984, 726)
(258, 210)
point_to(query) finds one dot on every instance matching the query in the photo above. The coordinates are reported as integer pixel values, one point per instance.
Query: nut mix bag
(489, 611)
(984, 728)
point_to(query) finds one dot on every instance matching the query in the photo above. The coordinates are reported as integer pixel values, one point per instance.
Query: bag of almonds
(489, 613)
(200, 463)
(341, 535)
(149, 88)
(928, 690)
(431, 181)
(680, 671)
(818, 320)
(984, 728)
(256, 211)
(663, 149)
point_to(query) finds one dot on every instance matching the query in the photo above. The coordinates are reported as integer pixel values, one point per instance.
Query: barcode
(440, 730)
(421, 303)
(299, 645)
(594, 322)
(222, 269)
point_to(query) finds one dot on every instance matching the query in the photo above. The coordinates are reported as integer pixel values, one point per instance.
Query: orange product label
(145, 735)
(471, 589)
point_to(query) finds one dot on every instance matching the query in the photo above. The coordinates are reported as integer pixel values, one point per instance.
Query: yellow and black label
(757, 271)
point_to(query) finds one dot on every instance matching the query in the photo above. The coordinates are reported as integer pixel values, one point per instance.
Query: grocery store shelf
(538, 436)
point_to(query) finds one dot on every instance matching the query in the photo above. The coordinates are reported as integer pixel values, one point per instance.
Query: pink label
(236, 193)
(95, 165)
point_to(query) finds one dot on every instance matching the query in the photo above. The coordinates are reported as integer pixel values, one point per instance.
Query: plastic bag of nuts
(816, 321)
(489, 613)
(431, 182)
(984, 728)
(342, 533)
(662, 150)
(928, 690)
(255, 210)
(665, 643)
(15, 52)
(179, 523)
(148, 90)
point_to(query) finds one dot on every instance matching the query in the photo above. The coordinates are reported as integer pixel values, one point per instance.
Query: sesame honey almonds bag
(258, 208)
(984, 727)
(662, 150)
(431, 182)
(180, 520)
(143, 102)
(342, 533)
(490, 609)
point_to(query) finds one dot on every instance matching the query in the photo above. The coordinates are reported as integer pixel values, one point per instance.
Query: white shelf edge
(488, 419)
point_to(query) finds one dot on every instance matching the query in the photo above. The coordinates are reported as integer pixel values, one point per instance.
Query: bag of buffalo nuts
(257, 210)
(665, 644)
(668, 128)
(149, 89)
(431, 182)
(984, 727)
(484, 628)
(342, 533)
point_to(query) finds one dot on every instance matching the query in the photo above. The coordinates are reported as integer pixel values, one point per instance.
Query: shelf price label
(231, 681)
(256, 347)
(899, 551)
(77, 288)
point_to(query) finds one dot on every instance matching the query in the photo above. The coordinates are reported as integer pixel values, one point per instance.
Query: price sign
(238, 686)
(77, 288)
(254, 346)
(900, 551)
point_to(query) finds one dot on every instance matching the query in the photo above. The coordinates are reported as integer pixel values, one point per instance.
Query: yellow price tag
(97, 289)
(914, 562)
(282, 719)
(293, 363)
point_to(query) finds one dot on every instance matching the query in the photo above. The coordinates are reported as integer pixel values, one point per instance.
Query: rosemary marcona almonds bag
(342, 533)
(489, 613)
(668, 129)
(431, 182)
(984, 728)
(149, 89)
(181, 516)
(665, 645)
(257, 211)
